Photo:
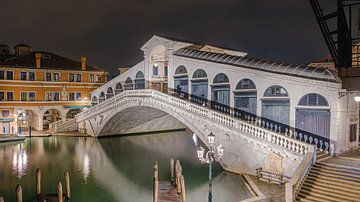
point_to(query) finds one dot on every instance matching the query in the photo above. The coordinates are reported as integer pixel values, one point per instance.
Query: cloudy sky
(111, 32)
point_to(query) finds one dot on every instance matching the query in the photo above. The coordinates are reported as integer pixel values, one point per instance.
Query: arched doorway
(199, 87)
(94, 101)
(101, 97)
(27, 119)
(313, 115)
(71, 113)
(118, 88)
(220, 93)
(109, 93)
(50, 116)
(245, 99)
(139, 80)
(128, 84)
(181, 81)
(275, 106)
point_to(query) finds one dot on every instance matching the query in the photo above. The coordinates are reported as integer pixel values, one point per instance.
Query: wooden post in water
(1, 199)
(172, 170)
(67, 184)
(178, 174)
(183, 193)
(60, 192)
(18, 191)
(38, 181)
(156, 182)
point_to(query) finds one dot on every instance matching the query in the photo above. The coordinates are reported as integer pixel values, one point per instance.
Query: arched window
(180, 70)
(276, 91)
(221, 78)
(139, 80)
(128, 84)
(118, 88)
(245, 84)
(313, 99)
(199, 74)
(245, 99)
(94, 101)
(109, 93)
(139, 75)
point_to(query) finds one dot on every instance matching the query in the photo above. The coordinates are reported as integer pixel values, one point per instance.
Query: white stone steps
(340, 170)
(331, 182)
(343, 167)
(335, 175)
(332, 187)
(331, 193)
(327, 197)
(310, 198)
(335, 172)
(335, 179)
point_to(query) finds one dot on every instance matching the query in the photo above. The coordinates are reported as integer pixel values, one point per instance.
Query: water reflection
(111, 169)
(19, 161)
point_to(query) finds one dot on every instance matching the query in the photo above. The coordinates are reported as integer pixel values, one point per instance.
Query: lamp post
(209, 158)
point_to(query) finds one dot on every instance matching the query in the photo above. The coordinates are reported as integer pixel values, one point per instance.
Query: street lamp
(209, 158)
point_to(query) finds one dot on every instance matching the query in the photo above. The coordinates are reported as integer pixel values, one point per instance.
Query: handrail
(293, 186)
(273, 137)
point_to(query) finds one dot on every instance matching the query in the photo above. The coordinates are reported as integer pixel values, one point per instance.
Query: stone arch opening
(128, 84)
(72, 112)
(199, 87)
(313, 115)
(118, 88)
(109, 93)
(139, 80)
(101, 97)
(27, 119)
(94, 101)
(275, 106)
(50, 116)
(181, 81)
(245, 98)
(220, 93)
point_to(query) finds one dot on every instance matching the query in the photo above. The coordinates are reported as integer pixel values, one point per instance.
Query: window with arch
(313, 99)
(139, 80)
(245, 84)
(200, 73)
(109, 93)
(221, 78)
(118, 88)
(139, 75)
(94, 100)
(180, 70)
(101, 97)
(276, 91)
(128, 84)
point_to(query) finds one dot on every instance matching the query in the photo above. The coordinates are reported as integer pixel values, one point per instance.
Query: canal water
(117, 169)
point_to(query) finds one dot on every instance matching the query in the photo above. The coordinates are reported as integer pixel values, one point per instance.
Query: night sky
(111, 32)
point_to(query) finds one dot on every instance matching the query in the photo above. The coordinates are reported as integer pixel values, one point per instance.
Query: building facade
(307, 101)
(39, 88)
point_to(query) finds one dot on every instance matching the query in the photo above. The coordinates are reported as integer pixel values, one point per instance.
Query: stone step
(324, 196)
(343, 167)
(335, 172)
(339, 170)
(332, 187)
(335, 179)
(335, 175)
(309, 198)
(334, 183)
(331, 192)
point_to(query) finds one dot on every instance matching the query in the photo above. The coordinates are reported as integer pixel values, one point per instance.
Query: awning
(7, 119)
(76, 107)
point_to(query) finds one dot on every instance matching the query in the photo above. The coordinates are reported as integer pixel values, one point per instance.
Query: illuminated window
(31, 76)
(155, 69)
(78, 77)
(56, 77)
(32, 96)
(23, 96)
(71, 78)
(10, 96)
(23, 76)
(78, 96)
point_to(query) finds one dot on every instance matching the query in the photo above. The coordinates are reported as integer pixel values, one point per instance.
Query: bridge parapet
(181, 106)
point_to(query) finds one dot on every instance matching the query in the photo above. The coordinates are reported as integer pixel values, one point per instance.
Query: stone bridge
(247, 145)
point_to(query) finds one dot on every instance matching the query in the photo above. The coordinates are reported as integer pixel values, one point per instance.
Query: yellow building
(38, 88)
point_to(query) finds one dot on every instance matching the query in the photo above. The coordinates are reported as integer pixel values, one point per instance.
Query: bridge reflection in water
(113, 169)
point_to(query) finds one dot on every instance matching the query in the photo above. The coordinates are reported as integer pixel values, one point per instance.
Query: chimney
(38, 60)
(83, 63)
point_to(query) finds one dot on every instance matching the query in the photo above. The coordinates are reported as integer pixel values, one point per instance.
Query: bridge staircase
(330, 182)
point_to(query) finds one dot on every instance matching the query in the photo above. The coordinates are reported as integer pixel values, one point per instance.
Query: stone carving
(274, 163)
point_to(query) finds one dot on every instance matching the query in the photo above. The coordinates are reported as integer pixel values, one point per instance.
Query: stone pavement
(351, 158)
(272, 192)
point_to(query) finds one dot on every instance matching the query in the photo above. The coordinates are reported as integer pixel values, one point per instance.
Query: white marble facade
(166, 55)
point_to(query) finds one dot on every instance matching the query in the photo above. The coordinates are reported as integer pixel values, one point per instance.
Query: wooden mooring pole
(172, 168)
(60, 192)
(156, 182)
(38, 181)
(183, 193)
(67, 184)
(18, 191)
(178, 173)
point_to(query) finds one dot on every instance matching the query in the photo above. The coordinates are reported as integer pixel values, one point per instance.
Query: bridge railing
(248, 128)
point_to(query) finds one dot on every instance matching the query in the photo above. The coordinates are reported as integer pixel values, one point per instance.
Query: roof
(48, 61)
(259, 64)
